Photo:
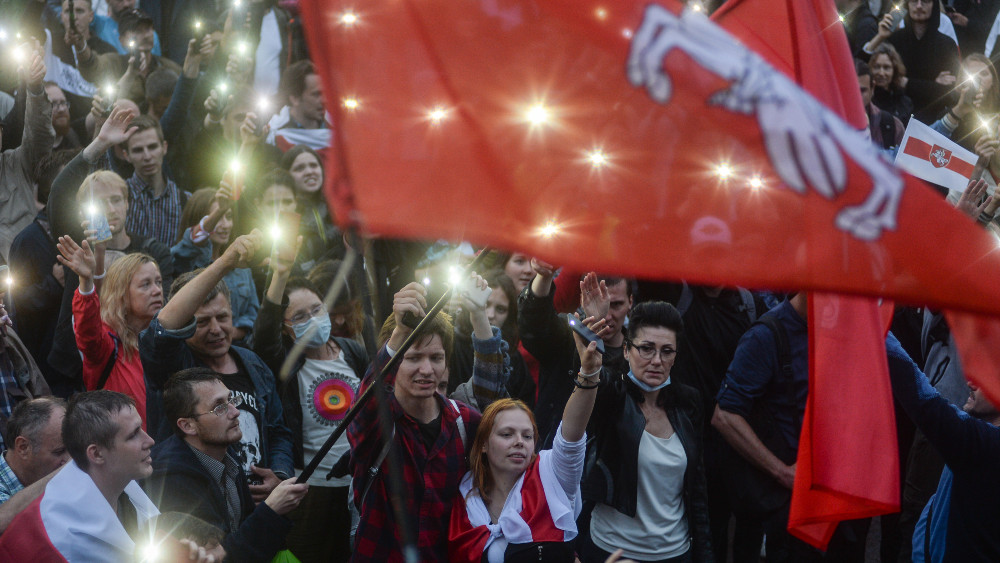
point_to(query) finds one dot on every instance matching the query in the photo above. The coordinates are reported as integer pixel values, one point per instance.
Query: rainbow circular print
(331, 399)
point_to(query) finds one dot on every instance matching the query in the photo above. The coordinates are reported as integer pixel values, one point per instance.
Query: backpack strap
(781, 339)
(373, 471)
(111, 362)
(749, 306)
(461, 424)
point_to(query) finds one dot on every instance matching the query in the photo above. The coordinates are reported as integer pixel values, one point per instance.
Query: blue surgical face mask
(319, 336)
(645, 387)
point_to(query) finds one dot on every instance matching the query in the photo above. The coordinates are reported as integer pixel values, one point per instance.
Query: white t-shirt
(267, 59)
(659, 529)
(326, 391)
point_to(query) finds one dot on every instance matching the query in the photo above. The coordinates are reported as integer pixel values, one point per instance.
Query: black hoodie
(925, 58)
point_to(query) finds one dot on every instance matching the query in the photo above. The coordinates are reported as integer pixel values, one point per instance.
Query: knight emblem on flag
(940, 156)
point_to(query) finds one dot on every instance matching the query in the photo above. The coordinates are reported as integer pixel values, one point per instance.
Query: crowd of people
(183, 326)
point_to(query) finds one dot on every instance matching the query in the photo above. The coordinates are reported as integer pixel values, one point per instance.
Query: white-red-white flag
(931, 156)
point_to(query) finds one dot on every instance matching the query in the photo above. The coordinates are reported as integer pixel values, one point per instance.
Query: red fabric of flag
(650, 143)
(847, 465)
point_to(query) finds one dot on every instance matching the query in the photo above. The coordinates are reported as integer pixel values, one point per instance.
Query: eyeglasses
(222, 408)
(60, 104)
(303, 317)
(647, 351)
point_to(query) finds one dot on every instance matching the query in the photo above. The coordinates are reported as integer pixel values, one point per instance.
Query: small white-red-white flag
(931, 156)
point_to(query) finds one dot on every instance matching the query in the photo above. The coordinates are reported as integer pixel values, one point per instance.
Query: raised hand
(595, 299)
(248, 131)
(281, 264)
(116, 129)
(192, 60)
(36, 72)
(590, 359)
(411, 299)
(79, 258)
(241, 253)
(969, 202)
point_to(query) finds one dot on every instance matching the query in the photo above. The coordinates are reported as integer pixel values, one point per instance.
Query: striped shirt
(151, 216)
(9, 483)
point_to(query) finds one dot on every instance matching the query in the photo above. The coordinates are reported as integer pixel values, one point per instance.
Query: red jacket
(95, 341)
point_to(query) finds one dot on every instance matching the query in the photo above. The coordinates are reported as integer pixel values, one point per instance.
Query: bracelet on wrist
(588, 375)
(579, 385)
(101, 277)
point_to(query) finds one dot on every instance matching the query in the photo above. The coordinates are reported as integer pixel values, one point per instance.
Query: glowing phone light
(351, 103)
(723, 171)
(538, 114)
(549, 230)
(756, 183)
(349, 18)
(597, 158)
(437, 115)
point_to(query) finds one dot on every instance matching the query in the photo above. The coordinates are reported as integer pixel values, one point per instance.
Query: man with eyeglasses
(195, 471)
(195, 329)
(65, 138)
(759, 412)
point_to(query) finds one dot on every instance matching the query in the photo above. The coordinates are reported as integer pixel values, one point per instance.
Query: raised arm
(38, 133)
(960, 438)
(490, 364)
(580, 405)
(62, 197)
(178, 312)
(267, 327)
(176, 114)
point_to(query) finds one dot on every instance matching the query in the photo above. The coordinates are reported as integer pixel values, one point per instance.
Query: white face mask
(644, 386)
(317, 336)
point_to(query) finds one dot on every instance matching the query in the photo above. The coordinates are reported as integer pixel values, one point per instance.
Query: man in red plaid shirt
(428, 441)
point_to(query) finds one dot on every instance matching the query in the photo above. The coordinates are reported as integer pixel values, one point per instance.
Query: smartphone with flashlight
(108, 95)
(99, 223)
(259, 123)
(897, 17)
(286, 234)
(577, 326)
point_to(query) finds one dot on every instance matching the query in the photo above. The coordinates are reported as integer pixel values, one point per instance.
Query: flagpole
(389, 367)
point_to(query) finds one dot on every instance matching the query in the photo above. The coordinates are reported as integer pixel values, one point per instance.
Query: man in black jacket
(194, 470)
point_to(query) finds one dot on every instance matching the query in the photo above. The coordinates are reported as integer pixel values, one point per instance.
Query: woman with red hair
(517, 505)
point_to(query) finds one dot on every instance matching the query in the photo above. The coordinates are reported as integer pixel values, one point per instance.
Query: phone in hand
(435, 290)
(897, 17)
(99, 223)
(578, 327)
(288, 227)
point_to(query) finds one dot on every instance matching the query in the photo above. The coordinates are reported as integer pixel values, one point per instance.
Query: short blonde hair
(105, 178)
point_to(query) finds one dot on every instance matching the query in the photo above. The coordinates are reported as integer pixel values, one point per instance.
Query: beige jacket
(17, 170)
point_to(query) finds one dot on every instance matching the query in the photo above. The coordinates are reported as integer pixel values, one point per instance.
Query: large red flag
(637, 138)
(647, 140)
(847, 465)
